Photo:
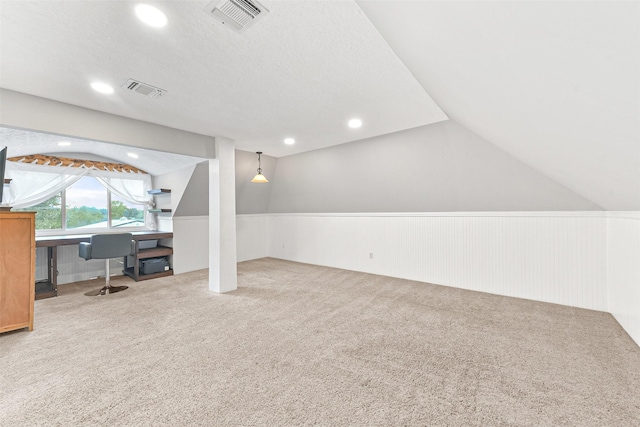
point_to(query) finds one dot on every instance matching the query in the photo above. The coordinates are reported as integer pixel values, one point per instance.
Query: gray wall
(23, 111)
(195, 199)
(176, 181)
(253, 198)
(441, 167)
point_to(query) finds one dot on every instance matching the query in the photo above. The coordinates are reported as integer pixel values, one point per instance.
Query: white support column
(223, 275)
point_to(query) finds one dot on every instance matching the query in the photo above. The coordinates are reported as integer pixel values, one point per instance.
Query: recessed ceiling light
(355, 123)
(289, 141)
(151, 16)
(132, 155)
(64, 143)
(102, 88)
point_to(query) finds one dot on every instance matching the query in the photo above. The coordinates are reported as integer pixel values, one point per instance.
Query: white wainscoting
(623, 271)
(72, 268)
(252, 236)
(190, 243)
(551, 257)
(164, 223)
(589, 260)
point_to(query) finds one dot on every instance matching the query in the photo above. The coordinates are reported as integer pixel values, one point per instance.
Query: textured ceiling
(554, 83)
(302, 71)
(21, 142)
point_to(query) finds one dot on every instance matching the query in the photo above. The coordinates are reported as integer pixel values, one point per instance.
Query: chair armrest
(84, 250)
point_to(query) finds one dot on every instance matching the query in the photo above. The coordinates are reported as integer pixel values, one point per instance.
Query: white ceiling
(554, 83)
(302, 71)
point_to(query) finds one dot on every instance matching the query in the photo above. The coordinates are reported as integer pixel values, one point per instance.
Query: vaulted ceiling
(553, 83)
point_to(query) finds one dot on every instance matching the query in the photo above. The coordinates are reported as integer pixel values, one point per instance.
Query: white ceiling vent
(236, 14)
(143, 88)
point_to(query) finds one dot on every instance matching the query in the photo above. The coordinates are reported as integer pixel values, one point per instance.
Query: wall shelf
(159, 191)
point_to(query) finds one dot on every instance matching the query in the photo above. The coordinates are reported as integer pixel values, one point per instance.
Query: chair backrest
(110, 245)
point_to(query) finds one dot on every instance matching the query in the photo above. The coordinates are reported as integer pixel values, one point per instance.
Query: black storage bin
(154, 265)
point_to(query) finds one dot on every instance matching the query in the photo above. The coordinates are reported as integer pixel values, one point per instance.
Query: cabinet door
(16, 237)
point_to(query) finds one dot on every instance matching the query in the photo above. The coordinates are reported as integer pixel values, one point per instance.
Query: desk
(49, 288)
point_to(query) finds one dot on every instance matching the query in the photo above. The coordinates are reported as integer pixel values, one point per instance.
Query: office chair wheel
(106, 290)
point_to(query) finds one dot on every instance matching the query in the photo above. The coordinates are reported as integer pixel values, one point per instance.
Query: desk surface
(74, 239)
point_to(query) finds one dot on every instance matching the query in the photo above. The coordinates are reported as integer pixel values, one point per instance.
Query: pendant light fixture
(259, 178)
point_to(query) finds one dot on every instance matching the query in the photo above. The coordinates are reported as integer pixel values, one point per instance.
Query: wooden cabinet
(17, 269)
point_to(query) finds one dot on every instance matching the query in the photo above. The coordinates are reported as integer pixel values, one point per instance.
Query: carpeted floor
(298, 344)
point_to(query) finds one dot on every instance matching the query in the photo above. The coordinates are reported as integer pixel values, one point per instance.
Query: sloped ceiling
(302, 71)
(554, 83)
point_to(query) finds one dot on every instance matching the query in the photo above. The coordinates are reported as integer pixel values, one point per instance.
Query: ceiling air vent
(236, 14)
(143, 88)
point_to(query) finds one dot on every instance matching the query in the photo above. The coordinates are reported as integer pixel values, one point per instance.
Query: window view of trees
(86, 207)
(48, 213)
(86, 203)
(125, 214)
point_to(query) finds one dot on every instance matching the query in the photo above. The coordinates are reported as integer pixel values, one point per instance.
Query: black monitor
(3, 162)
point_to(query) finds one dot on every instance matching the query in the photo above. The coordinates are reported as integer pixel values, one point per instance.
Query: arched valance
(44, 160)
(37, 178)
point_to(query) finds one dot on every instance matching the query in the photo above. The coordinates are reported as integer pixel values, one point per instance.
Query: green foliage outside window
(119, 211)
(48, 213)
(79, 217)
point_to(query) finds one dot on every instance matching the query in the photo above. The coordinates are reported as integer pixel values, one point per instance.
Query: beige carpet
(300, 344)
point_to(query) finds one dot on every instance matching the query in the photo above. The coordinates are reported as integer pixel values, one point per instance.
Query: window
(48, 213)
(125, 214)
(88, 205)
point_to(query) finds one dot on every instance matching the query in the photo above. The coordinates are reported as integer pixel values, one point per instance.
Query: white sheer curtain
(33, 184)
(133, 189)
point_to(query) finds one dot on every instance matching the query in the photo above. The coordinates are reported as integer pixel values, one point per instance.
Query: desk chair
(106, 246)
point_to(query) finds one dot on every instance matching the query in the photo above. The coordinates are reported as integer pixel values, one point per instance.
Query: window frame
(88, 230)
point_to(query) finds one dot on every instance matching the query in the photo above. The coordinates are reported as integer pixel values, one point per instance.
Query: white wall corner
(623, 270)
(190, 243)
(252, 236)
